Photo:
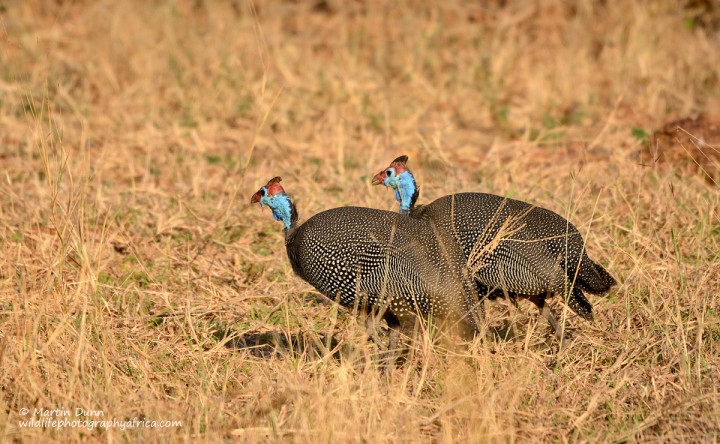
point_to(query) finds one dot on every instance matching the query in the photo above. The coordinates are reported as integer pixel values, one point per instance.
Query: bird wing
(516, 266)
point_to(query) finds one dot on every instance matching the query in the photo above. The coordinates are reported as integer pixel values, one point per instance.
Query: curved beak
(255, 198)
(379, 178)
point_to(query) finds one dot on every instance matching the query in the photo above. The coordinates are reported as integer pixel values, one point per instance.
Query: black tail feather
(593, 278)
(580, 305)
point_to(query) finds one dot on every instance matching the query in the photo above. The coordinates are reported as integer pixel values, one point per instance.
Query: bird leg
(394, 339)
(392, 351)
(372, 331)
(546, 312)
(389, 353)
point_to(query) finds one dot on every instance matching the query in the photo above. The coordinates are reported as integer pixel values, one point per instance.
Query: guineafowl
(511, 247)
(376, 261)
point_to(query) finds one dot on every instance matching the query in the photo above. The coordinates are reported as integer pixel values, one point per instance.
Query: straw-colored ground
(137, 280)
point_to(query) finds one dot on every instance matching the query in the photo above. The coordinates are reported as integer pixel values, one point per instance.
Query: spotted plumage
(510, 247)
(376, 260)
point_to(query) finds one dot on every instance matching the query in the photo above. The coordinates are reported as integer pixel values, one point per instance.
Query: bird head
(398, 177)
(273, 195)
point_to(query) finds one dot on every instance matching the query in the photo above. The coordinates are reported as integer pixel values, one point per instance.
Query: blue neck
(282, 208)
(404, 186)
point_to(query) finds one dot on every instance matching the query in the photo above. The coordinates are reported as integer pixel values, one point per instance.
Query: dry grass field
(139, 284)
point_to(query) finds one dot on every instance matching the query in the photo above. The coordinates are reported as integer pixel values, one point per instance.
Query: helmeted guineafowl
(511, 247)
(377, 261)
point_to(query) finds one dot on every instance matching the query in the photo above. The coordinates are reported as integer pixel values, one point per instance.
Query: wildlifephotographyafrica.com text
(61, 418)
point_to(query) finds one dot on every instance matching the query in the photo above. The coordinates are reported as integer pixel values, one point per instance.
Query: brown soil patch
(689, 145)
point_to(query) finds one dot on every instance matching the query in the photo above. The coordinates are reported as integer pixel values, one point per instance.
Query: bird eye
(388, 173)
(262, 191)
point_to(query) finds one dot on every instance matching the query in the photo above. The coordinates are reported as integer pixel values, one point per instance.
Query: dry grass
(136, 279)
